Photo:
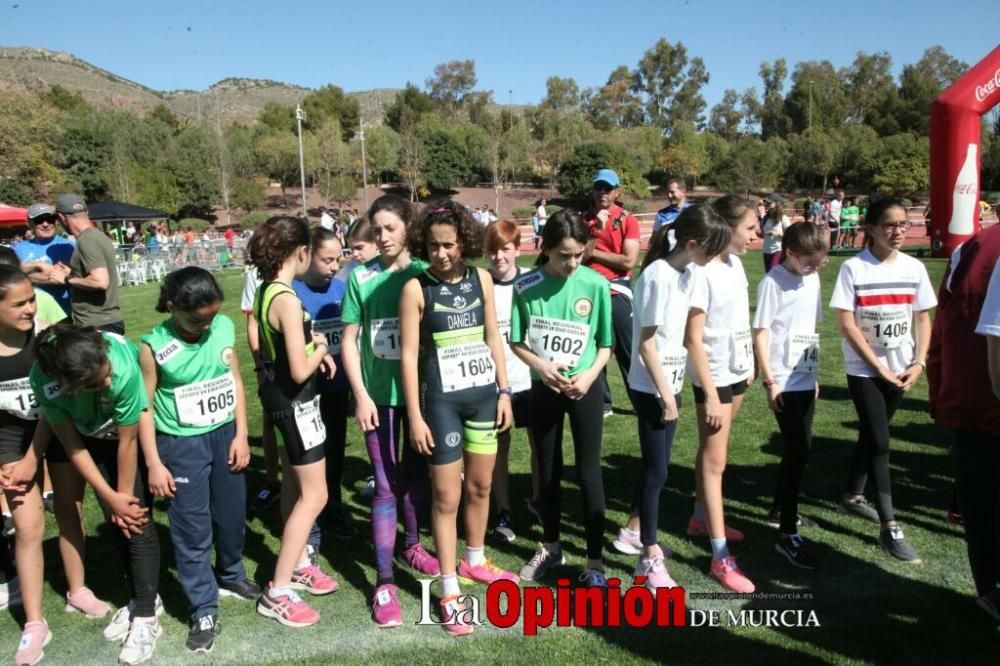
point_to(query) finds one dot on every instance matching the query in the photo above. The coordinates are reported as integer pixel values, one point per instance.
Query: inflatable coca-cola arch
(956, 116)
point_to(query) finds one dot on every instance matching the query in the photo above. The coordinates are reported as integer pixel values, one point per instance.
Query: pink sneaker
(313, 580)
(730, 576)
(418, 559)
(386, 610)
(487, 572)
(84, 601)
(655, 572)
(288, 609)
(698, 528)
(452, 621)
(36, 635)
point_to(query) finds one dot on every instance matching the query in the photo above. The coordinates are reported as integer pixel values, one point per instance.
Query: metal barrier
(141, 264)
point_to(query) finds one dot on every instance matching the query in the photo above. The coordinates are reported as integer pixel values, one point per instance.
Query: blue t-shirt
(50, 251)
(667, 215)
(323, 305)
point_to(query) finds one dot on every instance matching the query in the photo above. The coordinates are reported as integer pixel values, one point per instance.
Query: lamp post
(810, 104)
(364, 163)
(300, 116)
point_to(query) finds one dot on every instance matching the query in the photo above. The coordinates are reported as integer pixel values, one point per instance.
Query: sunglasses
(45, 219)
(603, 187)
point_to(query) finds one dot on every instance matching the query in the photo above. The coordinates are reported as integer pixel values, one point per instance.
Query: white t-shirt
(250, 283)
(773, 233)
(789, 306)
(543, 217)
(883, 296)
(720, 291)
(989, 317)
(518, 374)
(835, 207)
(661, 298)
(344, 274)
(326, 221)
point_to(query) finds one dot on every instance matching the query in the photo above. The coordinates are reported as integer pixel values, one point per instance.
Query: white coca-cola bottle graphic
(964, 198)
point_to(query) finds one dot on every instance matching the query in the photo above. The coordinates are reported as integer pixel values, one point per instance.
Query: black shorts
(15, 440)
(56, 452)
(461, 421)
(726, 393)
(520, 405)
(299, 421)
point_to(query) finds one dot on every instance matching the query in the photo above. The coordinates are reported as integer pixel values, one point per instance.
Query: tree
(194, 169)
(756, 165)
(726, 119)
(814, 154)
(903, 164)
(771, 112)
(382, 146)
(278, 117)
(643, 144)
(561, 95)
(409, 105)
(278, 153)
(921, 83)
(685, 156)
(672, 94)
(333, 161)
(576, 177)
(329, 103)
(817, 98)
(247, 194)
(63, 98)
(447, 166)
(166, 116)
(559, 137)
(872, 98)
(859, 151)
(615, 105)
(412, 157)
(451, 83)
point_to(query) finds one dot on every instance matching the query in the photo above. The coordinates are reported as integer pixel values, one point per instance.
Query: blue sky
(169, 45)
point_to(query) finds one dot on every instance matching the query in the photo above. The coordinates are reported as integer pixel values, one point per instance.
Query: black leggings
(655, 440)
(621, 323)
(977, 460)
(795, 423)
(586, 422)
(876, 402)
(333, 410)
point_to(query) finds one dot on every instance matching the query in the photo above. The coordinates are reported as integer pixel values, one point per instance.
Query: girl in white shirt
(773, 227)
(720, 361)
(880, 296)
(788, 308)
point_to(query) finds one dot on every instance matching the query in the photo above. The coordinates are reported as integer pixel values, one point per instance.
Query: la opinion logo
(991, 86)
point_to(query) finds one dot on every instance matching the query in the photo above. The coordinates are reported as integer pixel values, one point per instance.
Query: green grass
(871, 609)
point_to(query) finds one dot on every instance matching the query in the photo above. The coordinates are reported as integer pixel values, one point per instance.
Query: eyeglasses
(898, 226)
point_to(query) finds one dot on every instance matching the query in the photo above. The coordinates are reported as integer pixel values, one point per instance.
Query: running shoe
(654, 571)
(774, 520)
(243, 589)
(84, 601)
(140, 642)
(503, 530)
(608, 411)
(485, 572)
(118, 628)
(34, 638)
(730, 576)
(794, 549)
(419, 560)
(312, 580)
(860, 507)
(269, 493)
(49, 502)
(386, 610)
(368, 490)
(698, 528)
(452, 617)
(990, 602)
(10, 594)
(288, 609)
(892, 540)
(201, 635)
(594, 578)
(541, 562)
(630, 543)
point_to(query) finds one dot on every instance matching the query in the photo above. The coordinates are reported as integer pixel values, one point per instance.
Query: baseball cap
(39, 210)
(68, 204)
(607, 176)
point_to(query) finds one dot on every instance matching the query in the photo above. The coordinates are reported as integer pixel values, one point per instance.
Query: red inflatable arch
(955, 153)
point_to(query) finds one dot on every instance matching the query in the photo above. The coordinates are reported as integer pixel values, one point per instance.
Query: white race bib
(674, 364)
(333, 329)
(558, 341)
(17, 398)
(465, 366)
(312, 430)
(885, 327)
(802, 353)
(741, 351)
(206, 403)
(385, 338)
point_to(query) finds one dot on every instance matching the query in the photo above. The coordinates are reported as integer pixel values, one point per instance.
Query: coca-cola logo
(991, 86)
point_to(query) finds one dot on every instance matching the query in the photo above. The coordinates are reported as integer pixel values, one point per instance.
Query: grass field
(871, 608)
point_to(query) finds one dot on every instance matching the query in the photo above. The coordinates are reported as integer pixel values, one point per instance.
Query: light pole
(364, 164)
(300, 116)
(810, 104)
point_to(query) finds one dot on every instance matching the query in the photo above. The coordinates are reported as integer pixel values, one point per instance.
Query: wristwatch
(507, 391)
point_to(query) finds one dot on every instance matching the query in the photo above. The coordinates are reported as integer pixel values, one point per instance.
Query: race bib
(802, 353)
(885, 328)
(504, 327)
(310, 424)
(465, 366)
(206, 403)
(332, 329)
(674, 363)
(558, 341)
(385, 338)
(741, 351)
(17, 398)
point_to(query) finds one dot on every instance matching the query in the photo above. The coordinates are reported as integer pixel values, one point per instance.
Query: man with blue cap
(39, 254)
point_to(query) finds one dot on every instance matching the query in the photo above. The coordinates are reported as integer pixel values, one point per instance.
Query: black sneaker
(269, 493)
(244, 589)
(49, 502)
(860, 507)
(990, 602)
(774, 520)
(892, 540)
(503, 530)
(201, 636)
(793, 547)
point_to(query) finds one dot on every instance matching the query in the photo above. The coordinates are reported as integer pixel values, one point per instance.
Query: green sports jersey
(563, 320)
(97, 413)
(372, 302)
(849, 217)
(195, 387)
(49, 310)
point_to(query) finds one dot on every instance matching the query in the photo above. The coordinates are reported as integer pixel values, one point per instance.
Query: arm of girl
(495, 342)
(550, 373)
(761, 344)
(651, 359)
(581, 382)
(239, 450)
(161, 481)
(699, 365)
(366, 413)
(287, 318)
(922, 329)
(849, 329)
(411, 308)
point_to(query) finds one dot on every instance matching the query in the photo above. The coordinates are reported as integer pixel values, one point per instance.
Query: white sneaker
(10, 593)
(118, 628)
(141, 641)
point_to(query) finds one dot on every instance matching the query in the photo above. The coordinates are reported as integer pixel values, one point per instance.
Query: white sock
(699, 512)
(720, 549)
(475, 556)
(276, 592)
(450, 584)
(629, 532)
(303, 564)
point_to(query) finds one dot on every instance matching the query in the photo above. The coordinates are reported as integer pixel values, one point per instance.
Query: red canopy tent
(13, 217)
